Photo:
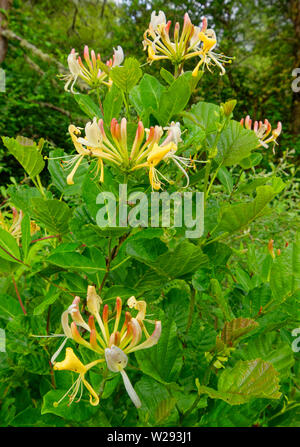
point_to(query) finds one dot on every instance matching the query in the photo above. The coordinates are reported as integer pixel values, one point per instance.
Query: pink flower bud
(105, 314)
(86, 53)
(93, 55)
(93, 339)
(204, 25)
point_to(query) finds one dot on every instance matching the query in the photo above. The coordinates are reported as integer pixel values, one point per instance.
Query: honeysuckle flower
(111, 341)
(207, 41)
(11, 222)
(114, 148)
(263, 131)
(91, 70)
(157, 20)
(72, 363)
(193, 42)
(174, 133)
(75, 71)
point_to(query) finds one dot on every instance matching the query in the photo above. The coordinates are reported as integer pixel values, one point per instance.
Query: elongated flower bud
(151, 341)
(76, 315)
(93, 300)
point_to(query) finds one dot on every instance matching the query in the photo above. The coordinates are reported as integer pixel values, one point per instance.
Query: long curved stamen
(183, 171)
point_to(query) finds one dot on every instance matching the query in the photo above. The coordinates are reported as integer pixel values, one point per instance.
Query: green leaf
(235, 144)
(175, 306)
(88, 106)
(186, 258)
(270, 348)
(71, 260)
(27, 153)
(9, 307)
(163, 361)
(76, 412)
(204, 115)
(174, 100)
(222, 414)
(237, 328)
(253, 379)
(146, 96)
(235, 217)
(251, 186)
(112, 104)
(253, 160)
(128, 76)
(59, 174)
(113, 292)
(53, 213)
(157, 404)
(21, 197)
(8, 267)
(217, 293)
(49, 299)
(167, 76)
(226, 179)
(8, 245)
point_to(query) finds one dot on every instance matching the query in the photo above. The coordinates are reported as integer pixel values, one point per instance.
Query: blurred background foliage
(262, 36)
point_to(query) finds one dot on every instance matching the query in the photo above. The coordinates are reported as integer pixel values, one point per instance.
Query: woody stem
(18, 295)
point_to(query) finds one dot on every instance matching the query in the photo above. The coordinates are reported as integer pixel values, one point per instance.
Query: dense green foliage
(228, 301)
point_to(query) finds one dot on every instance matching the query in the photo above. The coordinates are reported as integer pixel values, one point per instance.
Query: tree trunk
(295, 16)
(4, 4)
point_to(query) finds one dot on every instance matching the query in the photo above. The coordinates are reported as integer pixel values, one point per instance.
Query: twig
(53, 107)
(13, 257)
(44, 238)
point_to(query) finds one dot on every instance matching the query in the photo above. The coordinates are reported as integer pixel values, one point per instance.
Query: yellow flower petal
(71, 363)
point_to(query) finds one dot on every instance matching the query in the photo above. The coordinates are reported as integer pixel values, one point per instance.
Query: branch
(53, 107)
(10, 35)
(4, 6)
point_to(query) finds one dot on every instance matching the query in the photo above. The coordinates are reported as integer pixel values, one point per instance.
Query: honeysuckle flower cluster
(12, 221)
(110, 340)
(263, 131)
(91, 70)
(146, 150)
(192, 42)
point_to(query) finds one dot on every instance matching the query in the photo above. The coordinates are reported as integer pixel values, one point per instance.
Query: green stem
(212, 181)
(99, 101)
(125, 103)
(41, 188)
(236, 184)
(206, 177)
